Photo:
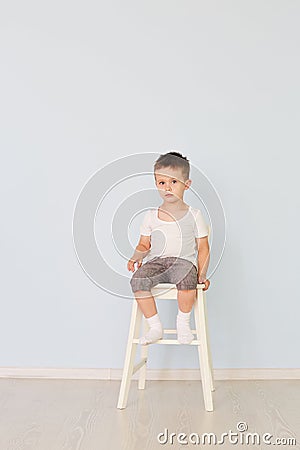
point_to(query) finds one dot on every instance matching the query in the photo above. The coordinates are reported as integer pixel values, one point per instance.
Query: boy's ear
(187, 184)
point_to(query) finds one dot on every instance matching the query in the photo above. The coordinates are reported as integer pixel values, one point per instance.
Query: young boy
(174, 241)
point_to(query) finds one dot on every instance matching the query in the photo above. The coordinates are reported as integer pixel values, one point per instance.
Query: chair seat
(167, 291)
(169, 342)
(173, 286)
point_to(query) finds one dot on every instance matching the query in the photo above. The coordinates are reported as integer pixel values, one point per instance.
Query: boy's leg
(147, 305)
(184, 273)
(186, 299)
(148, 275)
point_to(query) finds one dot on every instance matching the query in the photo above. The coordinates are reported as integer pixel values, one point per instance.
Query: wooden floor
(40, 414)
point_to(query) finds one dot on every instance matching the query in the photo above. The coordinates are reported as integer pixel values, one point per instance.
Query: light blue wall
(85, 83)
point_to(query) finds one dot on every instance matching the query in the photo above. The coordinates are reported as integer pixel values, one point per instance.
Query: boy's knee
(140, 284)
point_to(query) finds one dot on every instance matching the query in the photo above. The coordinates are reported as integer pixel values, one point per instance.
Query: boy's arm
(203, 257)
(141, 250)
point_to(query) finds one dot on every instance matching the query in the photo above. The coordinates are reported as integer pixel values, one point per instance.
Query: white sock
(184, 333)
(154, 333)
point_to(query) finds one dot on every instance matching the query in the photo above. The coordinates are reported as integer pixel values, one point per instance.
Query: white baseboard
(152, 374)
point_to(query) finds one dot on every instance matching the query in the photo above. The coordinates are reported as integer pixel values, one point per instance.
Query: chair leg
(201, 328)
(211, 369)
(135, 325)
(144, 354)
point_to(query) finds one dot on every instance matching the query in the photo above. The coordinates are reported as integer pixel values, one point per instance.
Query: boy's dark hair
(174, 160)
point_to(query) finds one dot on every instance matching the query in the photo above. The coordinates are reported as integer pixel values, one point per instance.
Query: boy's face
(171, 184)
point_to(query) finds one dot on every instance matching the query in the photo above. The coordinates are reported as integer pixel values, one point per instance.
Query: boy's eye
(162, 182)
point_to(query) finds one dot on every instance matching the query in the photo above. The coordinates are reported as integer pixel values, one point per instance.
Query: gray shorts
(169, 269)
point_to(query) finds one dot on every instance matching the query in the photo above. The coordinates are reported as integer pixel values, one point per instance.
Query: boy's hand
(203, 280)
(131, 262)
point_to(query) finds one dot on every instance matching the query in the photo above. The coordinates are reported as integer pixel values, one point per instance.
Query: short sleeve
(145, 227)
(201, 228)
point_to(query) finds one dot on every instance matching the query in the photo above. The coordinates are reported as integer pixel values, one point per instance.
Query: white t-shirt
(175, 238)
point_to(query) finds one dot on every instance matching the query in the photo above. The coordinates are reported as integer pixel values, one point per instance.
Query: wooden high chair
(165, 291)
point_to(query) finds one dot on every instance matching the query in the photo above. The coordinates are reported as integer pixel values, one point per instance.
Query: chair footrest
(139, 365)
(173, 331)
